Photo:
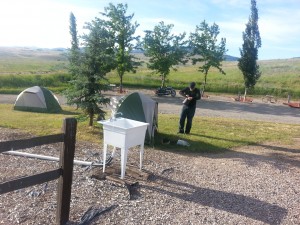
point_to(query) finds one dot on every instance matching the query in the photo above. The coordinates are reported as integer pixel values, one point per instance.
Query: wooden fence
(63, 173)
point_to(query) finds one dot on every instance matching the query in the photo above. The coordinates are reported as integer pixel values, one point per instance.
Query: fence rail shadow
(63, 173)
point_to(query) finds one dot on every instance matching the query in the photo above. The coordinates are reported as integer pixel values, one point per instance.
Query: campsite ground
(214, 106)
(257, 184)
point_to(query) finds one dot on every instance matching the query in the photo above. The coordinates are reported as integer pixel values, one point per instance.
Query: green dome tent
(137, 106)
(37, 99)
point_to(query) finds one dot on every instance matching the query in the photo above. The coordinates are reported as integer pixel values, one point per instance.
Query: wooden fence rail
(64, 173)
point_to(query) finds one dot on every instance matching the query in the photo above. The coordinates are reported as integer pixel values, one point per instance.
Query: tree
(164, 49)
(74, 53)
(249, 52)
(96, 60)
(123, 30)
(204, 47)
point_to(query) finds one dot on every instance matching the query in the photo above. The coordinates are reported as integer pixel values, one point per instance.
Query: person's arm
(198, 94)
(183, 92)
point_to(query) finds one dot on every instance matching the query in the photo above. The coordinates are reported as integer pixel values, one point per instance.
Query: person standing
(191, 94)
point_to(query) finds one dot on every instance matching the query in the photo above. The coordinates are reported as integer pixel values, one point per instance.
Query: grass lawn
(218, 134)
(208, 134)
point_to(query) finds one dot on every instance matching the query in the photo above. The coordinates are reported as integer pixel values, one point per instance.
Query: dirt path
(225, 106)
(217, 106)
(214, 106)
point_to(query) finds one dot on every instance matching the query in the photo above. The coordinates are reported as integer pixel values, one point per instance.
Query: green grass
(279, 78)
(46, 124)
(14, 84)
(23, 68)
(208, 134)
(218, 134)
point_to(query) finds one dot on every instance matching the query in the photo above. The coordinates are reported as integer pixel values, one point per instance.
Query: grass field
(22, 67)
(279, 78)
(214, 134)
(31, 61)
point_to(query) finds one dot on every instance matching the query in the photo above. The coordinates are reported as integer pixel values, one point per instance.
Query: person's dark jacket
(194, 93)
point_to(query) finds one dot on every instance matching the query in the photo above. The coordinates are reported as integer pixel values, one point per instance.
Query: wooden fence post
(66, 164)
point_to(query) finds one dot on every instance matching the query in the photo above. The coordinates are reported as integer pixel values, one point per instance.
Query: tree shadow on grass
(66, 112)
(280, 149)
(167, 142)
(233, 203)
(161, 142)
(279, 157)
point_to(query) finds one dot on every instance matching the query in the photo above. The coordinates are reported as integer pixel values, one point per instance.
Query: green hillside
(32, 61)
(25, 67)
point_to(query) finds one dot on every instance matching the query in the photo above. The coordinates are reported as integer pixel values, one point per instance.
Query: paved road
(216, 106)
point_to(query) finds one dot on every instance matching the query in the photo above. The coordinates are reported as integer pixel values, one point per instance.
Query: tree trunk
(205, 78)
(245, 94)
(121, 83)
(91, 119)
(162, 81)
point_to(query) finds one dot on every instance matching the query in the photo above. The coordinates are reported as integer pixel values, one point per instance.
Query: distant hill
(60, 53)
(33, 53)
(231, 58)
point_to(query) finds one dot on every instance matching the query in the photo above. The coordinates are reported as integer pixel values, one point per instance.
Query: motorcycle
(165, 91)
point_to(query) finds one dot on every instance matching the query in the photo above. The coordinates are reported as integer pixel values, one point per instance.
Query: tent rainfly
(37, 99)
(137, 106)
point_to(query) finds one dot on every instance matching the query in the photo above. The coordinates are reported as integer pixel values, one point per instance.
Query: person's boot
(180, 131)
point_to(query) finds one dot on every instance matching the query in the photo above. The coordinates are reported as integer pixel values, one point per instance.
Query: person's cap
(192, 84)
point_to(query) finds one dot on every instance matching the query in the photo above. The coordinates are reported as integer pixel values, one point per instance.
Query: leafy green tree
(205, 49)
(164, 49)
(249, 52)
(96, 60)
(122, 27)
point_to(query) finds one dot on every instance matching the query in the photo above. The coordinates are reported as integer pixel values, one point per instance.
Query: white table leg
(124, 152)
(104, 156)
(113, 153)
(141, 155)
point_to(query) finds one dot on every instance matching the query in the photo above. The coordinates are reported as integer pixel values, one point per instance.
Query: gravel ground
(249, 185)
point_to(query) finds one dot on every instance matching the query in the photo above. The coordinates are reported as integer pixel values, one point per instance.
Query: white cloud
(279, 25)
(40, 23)
(46, 23)
(27, 23)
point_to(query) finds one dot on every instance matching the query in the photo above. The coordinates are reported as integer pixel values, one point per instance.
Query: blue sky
(45, 23)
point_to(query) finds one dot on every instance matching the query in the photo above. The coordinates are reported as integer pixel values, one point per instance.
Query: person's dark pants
(187, 113)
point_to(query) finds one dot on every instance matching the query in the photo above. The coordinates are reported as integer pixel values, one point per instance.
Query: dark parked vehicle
(165, 91)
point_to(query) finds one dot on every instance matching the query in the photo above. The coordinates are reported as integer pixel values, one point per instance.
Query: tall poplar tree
(74, 52)
(249, 52)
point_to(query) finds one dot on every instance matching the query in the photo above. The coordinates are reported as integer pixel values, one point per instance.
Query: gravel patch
(250, 185)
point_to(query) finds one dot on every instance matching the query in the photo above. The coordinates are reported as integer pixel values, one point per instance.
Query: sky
(45, 23)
